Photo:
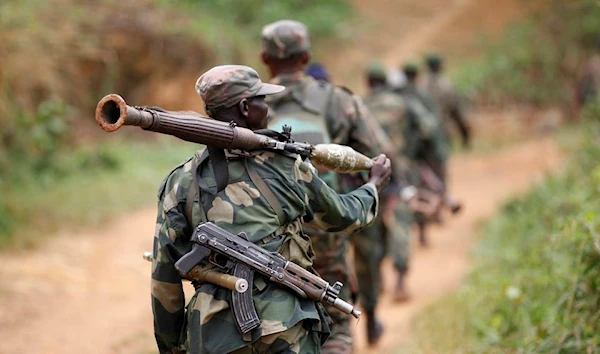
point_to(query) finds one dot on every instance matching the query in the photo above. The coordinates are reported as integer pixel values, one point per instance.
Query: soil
(89, 292)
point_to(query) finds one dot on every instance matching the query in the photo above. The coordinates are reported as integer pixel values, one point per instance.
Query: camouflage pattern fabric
(284, 38)
(390, 236)
(344, 118)
(225, 85)
(208, 325)
(424, 134)
(448, 101)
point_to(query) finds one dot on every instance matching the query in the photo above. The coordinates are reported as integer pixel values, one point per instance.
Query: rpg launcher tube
(202, 275)
(112, 113)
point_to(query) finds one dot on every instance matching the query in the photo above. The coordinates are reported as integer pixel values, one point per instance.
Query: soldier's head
(376, 75)
(434, 63)
(236, 93)
(411, 71)
(285, 47)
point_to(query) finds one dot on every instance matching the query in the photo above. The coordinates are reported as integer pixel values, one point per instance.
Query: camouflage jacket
(422, 123)
(240, 207)
(345, 120)
(442, 91)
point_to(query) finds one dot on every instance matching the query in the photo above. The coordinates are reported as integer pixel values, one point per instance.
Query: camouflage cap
(376, 71)
(224, 86)
(285, 38)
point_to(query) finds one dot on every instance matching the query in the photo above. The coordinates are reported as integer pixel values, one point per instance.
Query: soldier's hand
(381, 172)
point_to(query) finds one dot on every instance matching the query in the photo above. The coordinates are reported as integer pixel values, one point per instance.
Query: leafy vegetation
(536, 60)
(535, 286)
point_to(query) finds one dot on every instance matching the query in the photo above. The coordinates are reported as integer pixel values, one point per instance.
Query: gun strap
(265, 191)
(195, 191)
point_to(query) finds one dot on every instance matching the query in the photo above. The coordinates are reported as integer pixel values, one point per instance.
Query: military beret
(224, 86)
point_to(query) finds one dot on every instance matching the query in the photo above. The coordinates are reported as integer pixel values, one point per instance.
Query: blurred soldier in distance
(390, 233)
(447, 99)
(426, 143)
(318, 112)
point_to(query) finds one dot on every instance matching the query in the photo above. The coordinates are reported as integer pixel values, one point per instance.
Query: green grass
(535, 282)
(90, 192)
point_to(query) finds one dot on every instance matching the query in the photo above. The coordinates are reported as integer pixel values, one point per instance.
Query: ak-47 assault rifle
(243, 259)
(112, 112)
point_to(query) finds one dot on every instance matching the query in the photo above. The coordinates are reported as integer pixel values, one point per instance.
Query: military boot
(401, 294)
(374, 328)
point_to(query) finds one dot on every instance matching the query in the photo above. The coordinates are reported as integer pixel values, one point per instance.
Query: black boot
(374, 328)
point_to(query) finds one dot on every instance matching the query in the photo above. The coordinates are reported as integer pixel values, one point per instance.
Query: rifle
(112, 112)
(244, 258)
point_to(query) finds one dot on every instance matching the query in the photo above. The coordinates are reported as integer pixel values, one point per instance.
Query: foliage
(535, 286)
(536, 60)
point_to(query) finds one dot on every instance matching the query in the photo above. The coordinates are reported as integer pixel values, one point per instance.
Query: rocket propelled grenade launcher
(112, 113)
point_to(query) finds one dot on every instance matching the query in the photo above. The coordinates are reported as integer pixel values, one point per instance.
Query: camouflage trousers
(371, 245)
(332, 265)
(294, 340)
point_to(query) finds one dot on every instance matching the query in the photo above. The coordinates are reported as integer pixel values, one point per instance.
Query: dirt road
(89, 293)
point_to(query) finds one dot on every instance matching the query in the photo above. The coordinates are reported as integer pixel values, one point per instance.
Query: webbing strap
(195, 191)
(265, 191)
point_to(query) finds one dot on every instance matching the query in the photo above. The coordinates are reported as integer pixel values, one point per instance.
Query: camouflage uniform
(432, 146)
(319, 113)
(390, 234)
(447, 99)
(288, 324)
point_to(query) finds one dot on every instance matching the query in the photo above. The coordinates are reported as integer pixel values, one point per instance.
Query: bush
(537, 60)
(535, 287)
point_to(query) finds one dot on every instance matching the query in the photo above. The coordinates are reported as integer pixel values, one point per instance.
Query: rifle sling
(242, 305)
(265, 191)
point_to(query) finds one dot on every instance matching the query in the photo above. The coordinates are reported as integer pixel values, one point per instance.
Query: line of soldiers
(311, 217)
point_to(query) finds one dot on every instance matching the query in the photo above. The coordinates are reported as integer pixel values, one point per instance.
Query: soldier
(268, 196)
(318, 112)
(389, 234)
(425, 142)
(442, 91)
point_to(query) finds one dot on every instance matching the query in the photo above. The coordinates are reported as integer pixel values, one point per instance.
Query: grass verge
(116, 179)
(535, 283)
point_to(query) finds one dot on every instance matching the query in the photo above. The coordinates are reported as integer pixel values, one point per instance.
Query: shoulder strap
(265, 191)
(195, 191)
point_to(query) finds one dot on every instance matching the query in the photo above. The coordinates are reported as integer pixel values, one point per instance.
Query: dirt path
(89, 292)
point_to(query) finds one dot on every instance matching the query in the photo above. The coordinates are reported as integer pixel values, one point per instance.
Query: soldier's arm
(166, 287)
(334, 212)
